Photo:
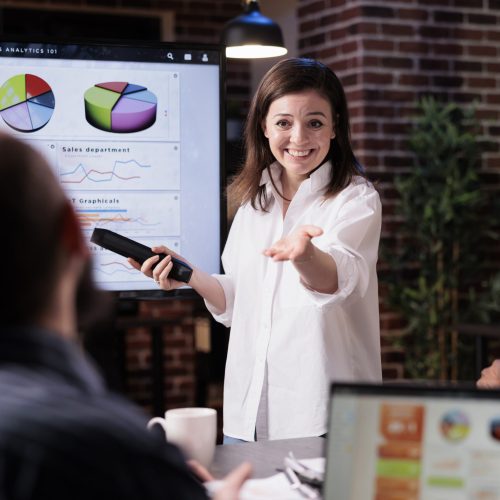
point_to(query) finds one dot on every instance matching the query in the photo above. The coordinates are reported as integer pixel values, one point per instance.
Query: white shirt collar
(318, 180)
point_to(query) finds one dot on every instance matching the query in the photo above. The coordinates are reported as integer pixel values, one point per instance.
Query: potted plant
(436, 258)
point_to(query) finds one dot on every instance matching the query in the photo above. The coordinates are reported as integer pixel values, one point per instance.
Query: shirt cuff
(227, 285)
(352, 275)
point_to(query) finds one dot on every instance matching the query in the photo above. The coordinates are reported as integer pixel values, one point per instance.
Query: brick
(396, 128)
(349, 47)
(493, 67)
(482, 19)
(466, 34)
(448, 17)
(363, 28)
(337, 34)
(473, 4)
(380, 111)
(426, 64)
(310, 25)
(438, 3)
(493, 35)
(465, 97)
(329, 20)
(368, 161)
(447, 81)
(447, 49)
(467, 66)
(378, 144)
(488, 114)
(493, 98)
(376, 11)
(310, 9)
(414, 80)
(328, 53)
(396, 95)
(483, 51)
(434, 32)
(364, 127)
(397, 161)
(482, 83)
(397, 62)
(413, 14)
(350, 14)
(371, 44)
(351, 79)
(312, 40)
(377, 78)
(414, 47)
(397, 30)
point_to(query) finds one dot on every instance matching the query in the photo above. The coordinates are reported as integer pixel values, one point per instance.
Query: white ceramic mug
(194, 430)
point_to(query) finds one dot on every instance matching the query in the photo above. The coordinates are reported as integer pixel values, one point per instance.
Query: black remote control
(139, 252)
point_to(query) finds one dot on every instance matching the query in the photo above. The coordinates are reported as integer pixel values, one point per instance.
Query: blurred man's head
(45, 263)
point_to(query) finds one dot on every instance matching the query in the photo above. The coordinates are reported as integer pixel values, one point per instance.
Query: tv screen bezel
(155, 293)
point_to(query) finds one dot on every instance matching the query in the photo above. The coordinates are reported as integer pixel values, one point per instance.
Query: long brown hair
(286, 77)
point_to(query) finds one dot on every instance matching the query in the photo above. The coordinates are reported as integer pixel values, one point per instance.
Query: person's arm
(206, 285)
(231, 484)
(490, 376)
(317, 269)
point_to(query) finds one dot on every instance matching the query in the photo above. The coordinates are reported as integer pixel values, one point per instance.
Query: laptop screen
(412, 443)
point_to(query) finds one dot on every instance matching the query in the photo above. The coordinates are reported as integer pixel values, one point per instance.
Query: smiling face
(299, 128)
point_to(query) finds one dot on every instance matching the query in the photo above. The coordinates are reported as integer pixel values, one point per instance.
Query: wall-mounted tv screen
(133, 132)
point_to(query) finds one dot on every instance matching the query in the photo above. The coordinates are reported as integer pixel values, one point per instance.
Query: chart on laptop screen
(395, 448)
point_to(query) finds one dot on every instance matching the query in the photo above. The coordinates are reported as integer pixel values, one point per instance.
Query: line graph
(131, 214)
(115, 166)
(109, 267)
(94, 175)
(115, 267)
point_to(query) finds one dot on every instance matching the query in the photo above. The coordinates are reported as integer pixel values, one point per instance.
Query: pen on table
(304, 489)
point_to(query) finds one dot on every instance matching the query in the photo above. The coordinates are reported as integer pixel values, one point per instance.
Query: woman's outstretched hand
(296, 246)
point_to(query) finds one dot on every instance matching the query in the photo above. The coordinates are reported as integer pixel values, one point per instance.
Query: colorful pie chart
(26, 102)
(455, 425)
(120, 107)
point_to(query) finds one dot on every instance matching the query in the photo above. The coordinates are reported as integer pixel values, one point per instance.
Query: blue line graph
(95, 175)
(114, 165)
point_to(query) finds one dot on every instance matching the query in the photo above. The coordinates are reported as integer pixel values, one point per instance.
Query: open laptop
(406, 442)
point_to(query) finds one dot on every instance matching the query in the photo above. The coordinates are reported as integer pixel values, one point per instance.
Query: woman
(302, 312)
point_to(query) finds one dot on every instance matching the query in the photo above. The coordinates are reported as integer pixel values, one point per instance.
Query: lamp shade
(253, 35)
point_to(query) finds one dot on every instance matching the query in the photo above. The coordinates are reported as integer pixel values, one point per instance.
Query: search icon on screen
(170, 56)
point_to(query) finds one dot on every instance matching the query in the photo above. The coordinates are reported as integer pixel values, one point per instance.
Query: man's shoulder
(49, 402)
(91, 442)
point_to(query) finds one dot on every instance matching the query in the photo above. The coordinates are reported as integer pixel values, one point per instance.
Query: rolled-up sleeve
(352, 241)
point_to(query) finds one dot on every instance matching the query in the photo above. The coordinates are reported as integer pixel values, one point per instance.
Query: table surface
(265, 456)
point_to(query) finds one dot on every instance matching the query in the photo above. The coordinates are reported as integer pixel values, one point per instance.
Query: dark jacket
(64, 436)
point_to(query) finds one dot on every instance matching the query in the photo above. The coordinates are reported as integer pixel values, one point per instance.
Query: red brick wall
(389, 53)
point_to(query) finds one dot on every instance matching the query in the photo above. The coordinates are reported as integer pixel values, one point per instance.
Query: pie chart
(26, 102)
(120, 107)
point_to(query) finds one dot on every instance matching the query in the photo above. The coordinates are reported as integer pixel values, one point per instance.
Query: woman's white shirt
(304, 339)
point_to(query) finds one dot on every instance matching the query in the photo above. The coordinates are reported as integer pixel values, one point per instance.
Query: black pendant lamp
(252, 35)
